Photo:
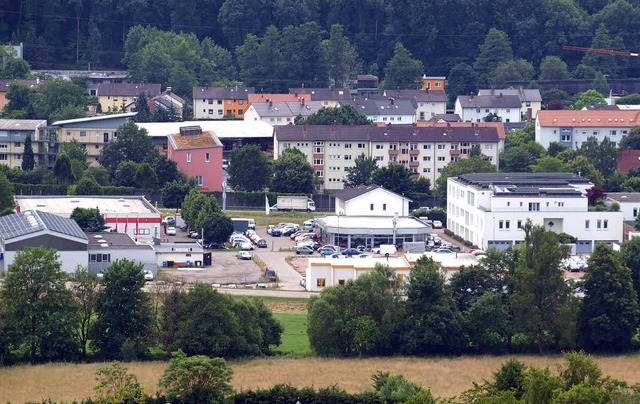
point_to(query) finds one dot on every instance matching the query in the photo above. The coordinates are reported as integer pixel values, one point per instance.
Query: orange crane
(603, 51)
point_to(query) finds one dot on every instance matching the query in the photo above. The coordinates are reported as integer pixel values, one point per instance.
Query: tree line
(510, 302)
(41, 319)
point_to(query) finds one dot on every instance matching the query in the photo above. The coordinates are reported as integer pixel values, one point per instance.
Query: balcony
(414, 152)
(393, 152)
(455, 152)
(414, 164)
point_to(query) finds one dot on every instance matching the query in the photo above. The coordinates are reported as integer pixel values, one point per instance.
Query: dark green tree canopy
(361, 173)
(89, 219)
(402, 70)
(394, 177)
(132, 144)
(7, 202)
(250, 169)
(343, 115)
(293, 173)
(28, 161)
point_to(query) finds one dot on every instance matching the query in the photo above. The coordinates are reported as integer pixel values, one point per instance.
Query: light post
(224, 196)
(394, 221)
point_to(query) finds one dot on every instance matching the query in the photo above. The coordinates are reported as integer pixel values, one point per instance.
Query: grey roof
(223, 93)
(418, 95)
(624, 197)
(389, 133)
(324, 94)
(34, 221)
(353, 192)
(4, 83)
(114, 241)
(525, 94)
(384, 106)
(128, 89)
(446, 118)
(21, 124)
(126, 115)
(292, 109)
(526, 184)
(490, 101)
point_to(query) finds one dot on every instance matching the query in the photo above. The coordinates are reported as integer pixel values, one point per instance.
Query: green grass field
(294, 337)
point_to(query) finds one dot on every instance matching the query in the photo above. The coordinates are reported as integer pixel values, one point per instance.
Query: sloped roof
(393, 133)
(525, 94)
(292, 109)
(222, 93)
(588, 118)
(205, 139)
(21, 124)
(354, 192)
(445, 118)
(128, 89)
(34, 221)
(127, 115)
(418, 95)
(115, 241)
(258, 98)
(489, 101)
(4, 83)
(384, 106)
(323, 94)
(628, 160)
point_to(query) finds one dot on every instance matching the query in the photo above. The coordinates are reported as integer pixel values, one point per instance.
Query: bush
(39, 189)
(284, 393)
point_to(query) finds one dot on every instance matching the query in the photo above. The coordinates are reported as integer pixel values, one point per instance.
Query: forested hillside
(445, 35)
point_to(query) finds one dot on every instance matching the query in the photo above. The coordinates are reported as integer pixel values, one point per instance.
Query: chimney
(427, 90)
(448, 126)
(388, 126)
(471, 95)
(333, 127)
(303, 101)
(142, 84)
(493, 90)
(391, 100)
(305, 127)
(415, 125)
(500, 95)
(302, 85)
(168, 89)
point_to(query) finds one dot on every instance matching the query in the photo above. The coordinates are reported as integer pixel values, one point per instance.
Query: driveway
(276, 259)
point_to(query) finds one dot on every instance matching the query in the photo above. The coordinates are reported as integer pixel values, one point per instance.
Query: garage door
(499, 245)
(583, 246)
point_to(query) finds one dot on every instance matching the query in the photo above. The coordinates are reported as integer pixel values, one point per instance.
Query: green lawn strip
(294, 337)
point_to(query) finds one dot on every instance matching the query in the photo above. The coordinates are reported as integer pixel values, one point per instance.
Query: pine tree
(28, 161)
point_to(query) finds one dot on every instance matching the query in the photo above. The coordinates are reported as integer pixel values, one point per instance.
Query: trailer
(294, 203)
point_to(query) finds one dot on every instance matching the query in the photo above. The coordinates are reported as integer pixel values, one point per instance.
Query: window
(441, 158)
(17, 156)
(441, 147)
(393, 146)
(426, 170)
(219, 112)
(561, 204)
(347, 157)
(286, 145)
(240, 102)
(210, 111)
(379, 158)
(426, 147)
(207, 157)
(321, 282)
(565, 138)
(3, 145)
(519, 224)
(534, 206)
(426, 158)
(613, 132)
(210, 102)
(319, 173)
(99, 257)
(318, 162)
(17, 144)
(347, 145)
(228, 102)
(3, 157)
(413, 146)
(220, 103)
(599, 224)
(370, 206)
(488, 147)
(501, 224)
(379, 146)
(384, 206)
(188, 157)
(341, 282)
(605, 224)
(413, 158)
(404, 151)
(361, 145)
(334, 157)
(318, 149)
(317, 143)
(477, 110)
(83, 133)
(199, 180)
(635, 212)
(586, 224)
(507, 224)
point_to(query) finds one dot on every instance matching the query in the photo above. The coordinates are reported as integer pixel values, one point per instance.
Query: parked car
(215, 246)
(361, 248)
(303, 282)
(287, 231)
(336, 256)
(171, 231)
(325, 251)
(270, 274)
(169, 221)
(437, 224)
(351, 251)
(443, 250)
(303, 249)
(262, 243)
(244, 255)
(313, 244)
(148, 275)
(361, 256)
(244, 246)
(276, 232)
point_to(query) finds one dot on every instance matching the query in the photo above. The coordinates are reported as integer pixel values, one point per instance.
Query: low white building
(180, 255)
(629, 203)
(489, 210)
(133, 215)
(32, 228)
(105, 248)
(474, 108)
(370, 200)
(530, 99)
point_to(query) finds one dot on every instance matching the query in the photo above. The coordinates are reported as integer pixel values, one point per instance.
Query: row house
(281, 113)
(93, 132)
(219, 102)
(474, 108)
(329, 97)
(490, 209)
(114, 97)
(530, 99)
(572, 128)
(198, 154)
(428, 103)
(331, 149)
(387, 110)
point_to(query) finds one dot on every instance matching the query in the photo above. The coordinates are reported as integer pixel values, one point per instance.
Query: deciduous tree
(7, 201)
(394, 177)
(553, 68)
(361, 173)
(85, 289)
(250, 168)
(609, 312)
(217, 227)
(293, 173)
(28, 161)
(402, 71)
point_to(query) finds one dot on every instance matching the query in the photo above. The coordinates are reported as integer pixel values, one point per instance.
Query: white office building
(489, 210)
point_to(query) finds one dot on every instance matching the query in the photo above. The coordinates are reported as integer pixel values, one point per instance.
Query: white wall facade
(495, 221)
(427, 110)
(69, 260)
(478, 114)
(573, 137)
(326, 272)
(377, 202)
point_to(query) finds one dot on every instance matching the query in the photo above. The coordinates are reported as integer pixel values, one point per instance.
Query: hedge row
(460, 239)
(57, 189)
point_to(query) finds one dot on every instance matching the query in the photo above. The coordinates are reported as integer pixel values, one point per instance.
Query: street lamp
(394, 221)
(224, 196)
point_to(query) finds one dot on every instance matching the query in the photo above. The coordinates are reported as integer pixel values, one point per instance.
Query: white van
(308, 225)
(252, 224)
(385, 249)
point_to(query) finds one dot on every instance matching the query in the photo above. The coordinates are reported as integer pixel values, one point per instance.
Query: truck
(240, 225)
(294, 203)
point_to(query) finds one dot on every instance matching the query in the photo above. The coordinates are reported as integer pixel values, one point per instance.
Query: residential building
(13, 133)
(231, 133)
(168, 101)
(35, 228)
(474, 108)
(133, 215)
(199, 155)
(489, 210)
(281, 113)
(93, 132)
(366, 84)
(571, 128)
(629, 203)
(444, 118)
(370, 216)
(435, 83)
(299, 97)
(629, 159)
(530, 100)
(4, 86)
(328, 97)
(114, 97)
(218, 102)
(94, 77)
(425, 150)
(428, 103)
(387, 110)
(106, 248)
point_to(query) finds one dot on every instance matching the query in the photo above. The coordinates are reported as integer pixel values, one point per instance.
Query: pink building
(199, 155)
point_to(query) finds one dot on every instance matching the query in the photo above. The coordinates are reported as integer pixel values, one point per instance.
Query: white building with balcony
(489, 210)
